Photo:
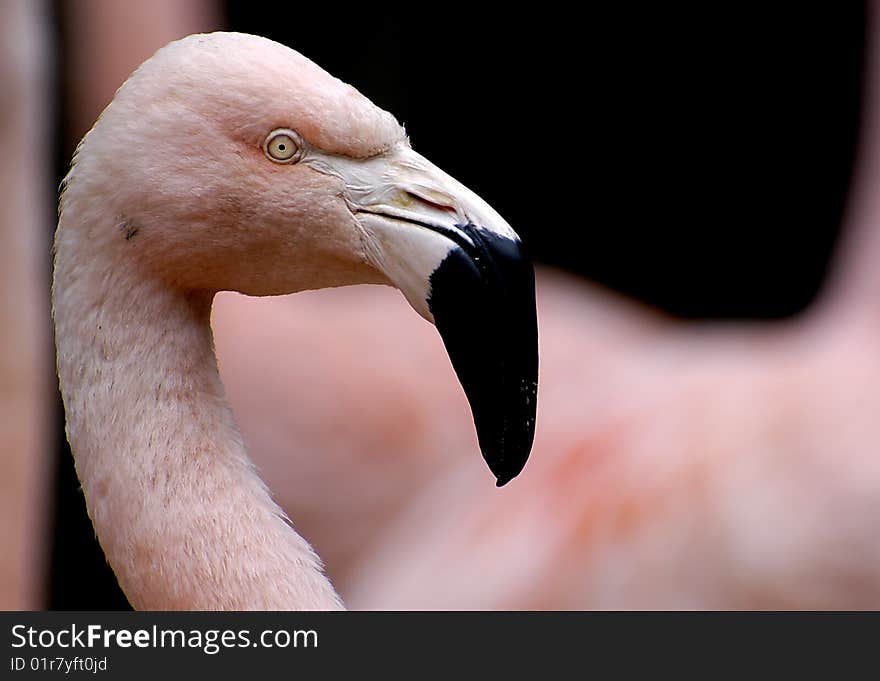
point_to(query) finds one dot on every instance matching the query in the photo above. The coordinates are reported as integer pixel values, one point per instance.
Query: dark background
(695, 159)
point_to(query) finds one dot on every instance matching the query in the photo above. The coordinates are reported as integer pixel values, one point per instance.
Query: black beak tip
(507, 468)
(486, 292)
(504, 479)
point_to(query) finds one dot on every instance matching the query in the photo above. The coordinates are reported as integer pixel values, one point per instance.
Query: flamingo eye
(283, 146)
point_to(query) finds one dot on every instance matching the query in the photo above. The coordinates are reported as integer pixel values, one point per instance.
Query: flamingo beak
(462, 267)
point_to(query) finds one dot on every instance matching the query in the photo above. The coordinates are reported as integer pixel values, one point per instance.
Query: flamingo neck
(184, 520)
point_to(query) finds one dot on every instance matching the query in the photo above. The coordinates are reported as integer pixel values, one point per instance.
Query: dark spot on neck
(129, 229)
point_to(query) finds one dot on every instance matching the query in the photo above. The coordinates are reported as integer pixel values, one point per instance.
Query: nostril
(439, 202)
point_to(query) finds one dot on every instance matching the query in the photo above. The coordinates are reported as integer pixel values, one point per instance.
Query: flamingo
(230, 162)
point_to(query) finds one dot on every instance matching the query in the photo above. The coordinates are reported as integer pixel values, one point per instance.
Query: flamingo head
(231, 162)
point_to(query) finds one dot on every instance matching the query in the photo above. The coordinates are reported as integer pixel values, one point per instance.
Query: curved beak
(462, 267)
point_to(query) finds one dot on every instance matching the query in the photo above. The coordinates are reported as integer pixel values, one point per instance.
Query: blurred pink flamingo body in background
(716, 466)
